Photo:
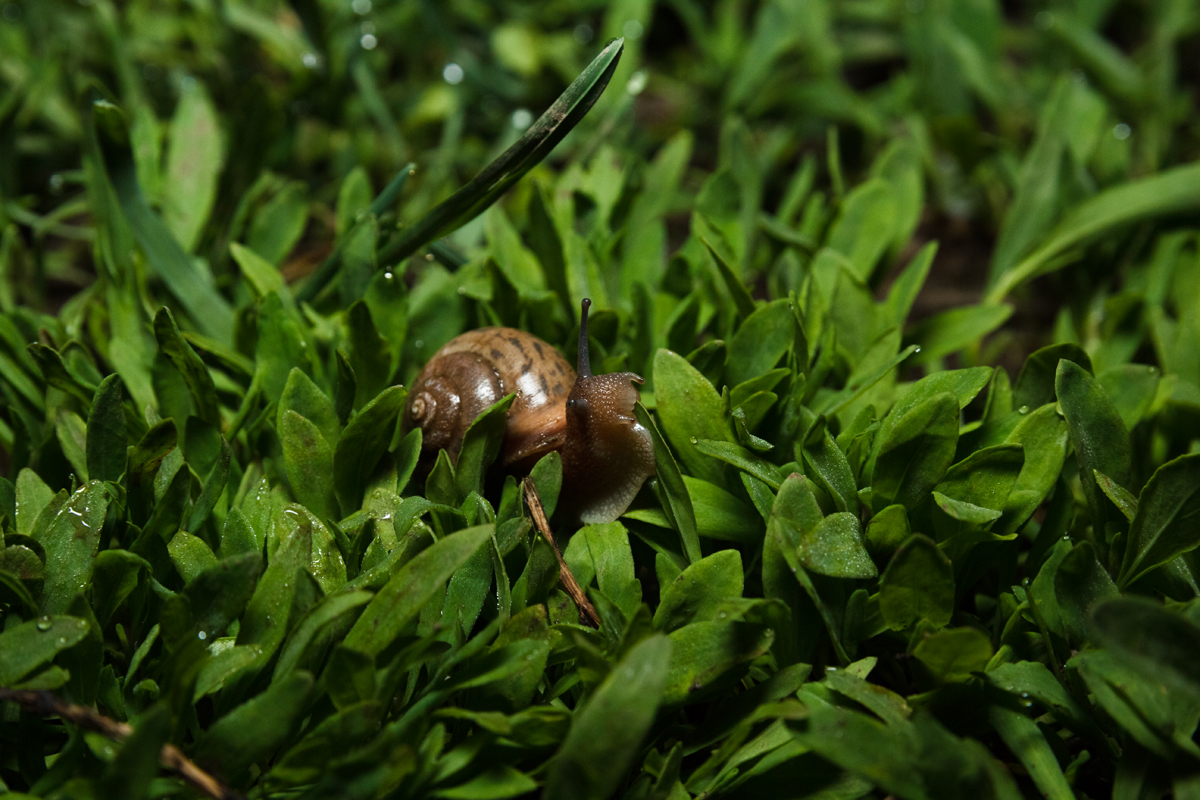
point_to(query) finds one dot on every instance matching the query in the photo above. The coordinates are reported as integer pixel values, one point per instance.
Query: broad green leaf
(1121, 497)
(26, 646)
(226, 660)
(304, 397)
(279, 223)
(1080, 583)
(603, 551)
(130, 773)
(354, 199)
(721, 515)
(211, 600)
(741, 458)
(190, 554)
(254, 730)
(1132, 388)
(1025, 739)
(200, 383)
(1141, 697)
(608, 731)
(282, 345)
(370, 354)
(916, 453)
(1043, 438)
(1149, 636)
(114, 577)
(267, 614)
(887, 530)
(1100, 438)
(832, 469)
(690, 409)
(883, 754)
(33, 495)
(481, 445)
(71, 432)
(917, 584)
(956, 329)
(309, 462)
(760, 342)
(261, 274)
(984, 479)
(865, 226)
(362, 443)
(696, 593)
(706, 656)
(71, 542)
(954, 653)
(194, 161)
(680, 505)
(1167, 521)
(1035, 382)
(904, 291)
(964, 384)
(834, 547)
(308, 630)
(1033, 679)
(325, 563)
(402, 598)
(106, 432)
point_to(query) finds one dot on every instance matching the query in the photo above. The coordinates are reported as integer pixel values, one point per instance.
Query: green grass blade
(1170, 191)
(497, 177)
(210, 311)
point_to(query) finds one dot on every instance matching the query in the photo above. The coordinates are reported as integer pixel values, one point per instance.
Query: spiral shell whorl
(449, 394)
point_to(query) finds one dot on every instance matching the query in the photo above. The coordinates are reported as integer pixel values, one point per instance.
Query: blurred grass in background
(246, 116)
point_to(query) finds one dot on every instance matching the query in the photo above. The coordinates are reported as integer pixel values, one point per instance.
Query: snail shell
(588, 418)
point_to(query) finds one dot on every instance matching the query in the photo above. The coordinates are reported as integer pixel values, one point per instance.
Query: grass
(915, 288)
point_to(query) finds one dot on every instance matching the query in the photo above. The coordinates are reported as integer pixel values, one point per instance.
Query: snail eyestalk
(585, 364)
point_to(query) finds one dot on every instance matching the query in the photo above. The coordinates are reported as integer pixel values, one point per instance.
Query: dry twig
(46, 704)
(569, 583)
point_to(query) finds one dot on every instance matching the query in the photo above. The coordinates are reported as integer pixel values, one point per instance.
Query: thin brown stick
(564, 572)
(45, 704)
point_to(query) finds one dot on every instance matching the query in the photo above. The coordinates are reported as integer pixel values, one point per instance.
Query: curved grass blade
(324, 273)
(210, 311)
(1170, 191)
(497, 177)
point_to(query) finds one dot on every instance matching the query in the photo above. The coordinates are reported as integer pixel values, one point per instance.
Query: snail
(588, 419)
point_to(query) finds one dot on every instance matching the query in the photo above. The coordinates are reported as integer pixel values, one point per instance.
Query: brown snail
(606, 454)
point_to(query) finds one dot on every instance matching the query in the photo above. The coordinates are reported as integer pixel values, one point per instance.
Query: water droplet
(361, 6)
(310, 60)
(695, 440)
(632, 29)
(62, 641)
(1023, 410)
(45, 623)
(202, 636)
(452, 74)
(368, 41)
(387, 276)
(522, 118)
(916, 349)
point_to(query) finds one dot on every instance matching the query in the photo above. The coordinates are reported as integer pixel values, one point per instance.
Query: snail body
(587, 418)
